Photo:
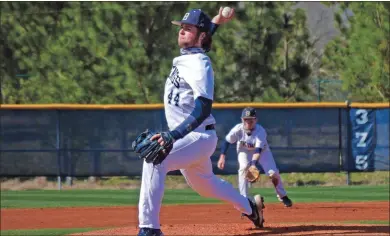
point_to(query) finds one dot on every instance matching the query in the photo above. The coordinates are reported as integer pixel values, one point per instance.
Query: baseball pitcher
(252, 147)
(191, 139)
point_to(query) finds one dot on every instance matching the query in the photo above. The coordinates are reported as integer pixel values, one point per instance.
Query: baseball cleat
(150, 232)
(287, 201)
(257, 216)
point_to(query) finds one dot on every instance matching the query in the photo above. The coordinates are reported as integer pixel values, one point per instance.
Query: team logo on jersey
(247, 145)
(174, 77)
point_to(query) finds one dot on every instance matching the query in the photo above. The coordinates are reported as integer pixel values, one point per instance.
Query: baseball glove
(252, 174)
(152, 151)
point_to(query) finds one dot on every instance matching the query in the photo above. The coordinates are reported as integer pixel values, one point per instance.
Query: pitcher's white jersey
(245, 142)
(191, 76)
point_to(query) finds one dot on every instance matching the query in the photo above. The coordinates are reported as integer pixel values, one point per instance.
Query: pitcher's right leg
(202, 179)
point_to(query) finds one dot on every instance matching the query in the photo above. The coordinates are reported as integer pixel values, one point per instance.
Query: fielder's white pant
(268, 163)
(191, 155)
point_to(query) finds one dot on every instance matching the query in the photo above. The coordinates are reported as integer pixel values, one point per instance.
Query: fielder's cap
(196, 17)
(248, 112)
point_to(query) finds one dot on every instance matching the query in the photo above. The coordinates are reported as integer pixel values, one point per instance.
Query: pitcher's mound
(245, 229)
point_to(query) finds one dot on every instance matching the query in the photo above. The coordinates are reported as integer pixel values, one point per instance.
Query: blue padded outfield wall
(97, 141)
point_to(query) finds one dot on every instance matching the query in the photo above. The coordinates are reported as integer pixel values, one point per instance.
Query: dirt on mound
(245, 229)
(217, 219)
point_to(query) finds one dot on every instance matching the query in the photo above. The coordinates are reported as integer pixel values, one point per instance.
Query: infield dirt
(208, 219)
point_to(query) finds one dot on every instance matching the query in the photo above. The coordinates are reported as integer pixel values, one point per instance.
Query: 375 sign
(362, 139)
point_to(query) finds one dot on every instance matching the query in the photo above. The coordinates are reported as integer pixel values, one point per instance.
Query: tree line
(122, 52)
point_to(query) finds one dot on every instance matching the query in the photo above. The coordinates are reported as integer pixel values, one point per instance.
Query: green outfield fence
(95, 140)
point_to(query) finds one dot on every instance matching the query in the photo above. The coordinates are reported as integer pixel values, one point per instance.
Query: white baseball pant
(191, 155)
(268, 163)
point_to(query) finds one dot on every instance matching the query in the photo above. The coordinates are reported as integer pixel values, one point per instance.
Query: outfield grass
(178, 182)
(369, 222)
(73, 198)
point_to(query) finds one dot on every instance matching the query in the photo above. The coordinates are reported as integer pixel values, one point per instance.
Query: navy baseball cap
(196, 17)
(248, 112)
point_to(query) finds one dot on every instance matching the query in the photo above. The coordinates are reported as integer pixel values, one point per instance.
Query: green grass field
(68, 198)
(178, 182)
(72, 198)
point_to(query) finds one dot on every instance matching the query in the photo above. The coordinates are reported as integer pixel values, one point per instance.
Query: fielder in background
(188, 98)
(252, 147)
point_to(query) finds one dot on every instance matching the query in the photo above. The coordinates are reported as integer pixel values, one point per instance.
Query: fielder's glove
(252, 174)
(152, 151)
